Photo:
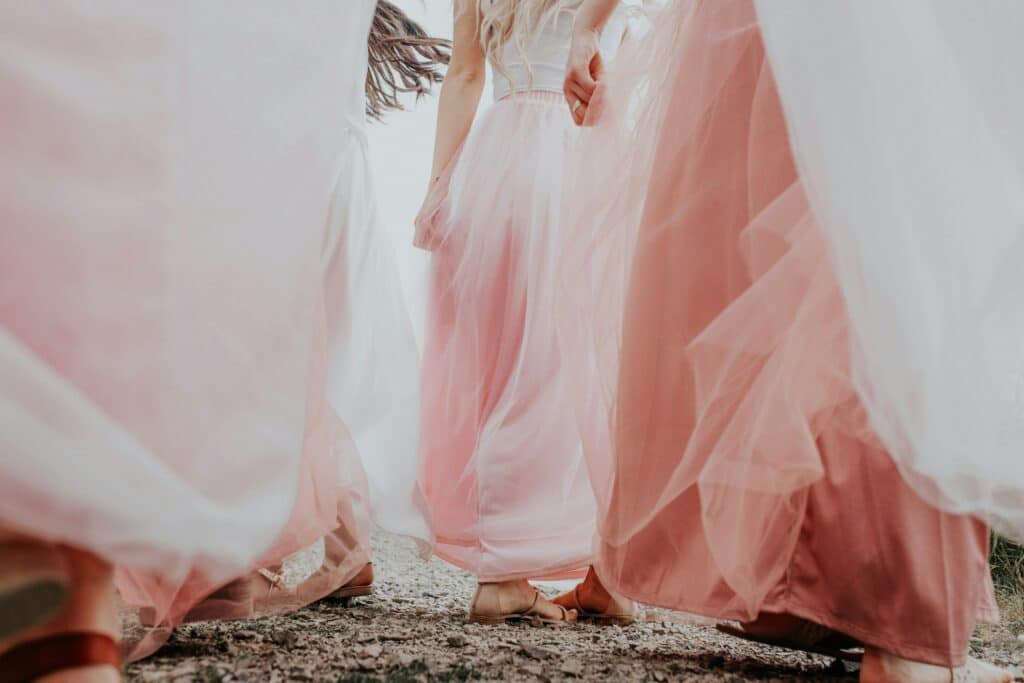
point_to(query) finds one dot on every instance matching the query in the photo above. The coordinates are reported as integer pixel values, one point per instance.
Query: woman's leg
(89, 611)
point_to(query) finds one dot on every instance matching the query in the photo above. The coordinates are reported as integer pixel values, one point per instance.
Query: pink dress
(735, 468)
(501, 462)
(169, 179)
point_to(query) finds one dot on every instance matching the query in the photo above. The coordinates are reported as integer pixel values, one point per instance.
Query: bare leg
(91, 607)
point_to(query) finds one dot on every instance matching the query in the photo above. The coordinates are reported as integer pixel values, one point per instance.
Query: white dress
(175, 358)
(906, 121)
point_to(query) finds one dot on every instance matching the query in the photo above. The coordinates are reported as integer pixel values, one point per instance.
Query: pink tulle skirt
(501, 462)
(736, 471)
(165, 342)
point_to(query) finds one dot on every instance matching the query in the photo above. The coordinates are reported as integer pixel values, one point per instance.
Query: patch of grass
(1007, 562)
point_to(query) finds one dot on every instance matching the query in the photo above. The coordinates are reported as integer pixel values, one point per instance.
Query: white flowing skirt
(165, 190)
(906, 121)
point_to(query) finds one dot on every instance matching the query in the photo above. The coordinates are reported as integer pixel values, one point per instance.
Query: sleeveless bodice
(540, 65)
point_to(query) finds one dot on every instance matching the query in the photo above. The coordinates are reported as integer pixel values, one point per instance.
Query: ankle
(593, 593)
(93, 606)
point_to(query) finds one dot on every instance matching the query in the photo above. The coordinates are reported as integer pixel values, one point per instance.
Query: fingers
(596, 68)
(593, 112)
(578, 95)
(579, 114)
(585, 68)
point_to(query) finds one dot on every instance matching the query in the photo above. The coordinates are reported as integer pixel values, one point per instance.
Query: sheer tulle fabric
(719, 404)
(373, 358)
(363, 357)
(164, 340)
(502, 468)
(910, 144)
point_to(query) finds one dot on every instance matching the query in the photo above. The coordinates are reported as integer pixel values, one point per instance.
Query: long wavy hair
(516, 22)
(403, 59)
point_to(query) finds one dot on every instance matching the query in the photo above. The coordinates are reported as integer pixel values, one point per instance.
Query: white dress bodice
(541, 64)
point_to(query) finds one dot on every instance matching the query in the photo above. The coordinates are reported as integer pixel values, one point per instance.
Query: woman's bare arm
(462, 88)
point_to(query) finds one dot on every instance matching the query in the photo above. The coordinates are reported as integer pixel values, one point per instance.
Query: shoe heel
(485, 620)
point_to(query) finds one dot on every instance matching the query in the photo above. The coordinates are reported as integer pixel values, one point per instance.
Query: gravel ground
(414, 629)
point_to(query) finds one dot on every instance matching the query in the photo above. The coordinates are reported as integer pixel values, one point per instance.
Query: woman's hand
(426, 235)
(583, 70)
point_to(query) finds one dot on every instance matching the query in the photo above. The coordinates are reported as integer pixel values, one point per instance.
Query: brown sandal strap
(576, 599)
(37, 658)
(536, 599)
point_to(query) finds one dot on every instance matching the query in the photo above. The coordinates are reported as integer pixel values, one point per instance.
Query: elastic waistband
(541, 78)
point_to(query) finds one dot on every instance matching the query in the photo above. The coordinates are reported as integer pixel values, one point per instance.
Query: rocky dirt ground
(414, 629)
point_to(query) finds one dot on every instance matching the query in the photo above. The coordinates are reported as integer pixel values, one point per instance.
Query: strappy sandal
(35, 585)
(237, 600)
(805, 636)
(613, 615)
(34, 659)
(360, 586)
(530, 614)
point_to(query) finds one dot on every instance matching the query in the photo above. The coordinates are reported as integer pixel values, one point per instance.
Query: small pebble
(372, 651)
(571, 667)
(285, 638)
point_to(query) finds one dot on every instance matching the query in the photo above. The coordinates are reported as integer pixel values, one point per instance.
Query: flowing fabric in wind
(735, 468)
(166, 199)
(906, 121)
(502, 467)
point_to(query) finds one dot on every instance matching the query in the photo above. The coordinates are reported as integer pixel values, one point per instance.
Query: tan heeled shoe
(486, 608)
(361, 585)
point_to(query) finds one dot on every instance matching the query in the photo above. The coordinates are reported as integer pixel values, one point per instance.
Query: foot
(882, 667)
(770, 626)
(91, 608)
(35, 585)
(361, 585)
(363, 579)
(593, 601)
(495, 603)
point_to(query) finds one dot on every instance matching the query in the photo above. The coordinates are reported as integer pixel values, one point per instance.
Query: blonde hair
(516, 22)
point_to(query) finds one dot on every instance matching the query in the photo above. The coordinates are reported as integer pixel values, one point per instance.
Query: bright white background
(401, 150)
